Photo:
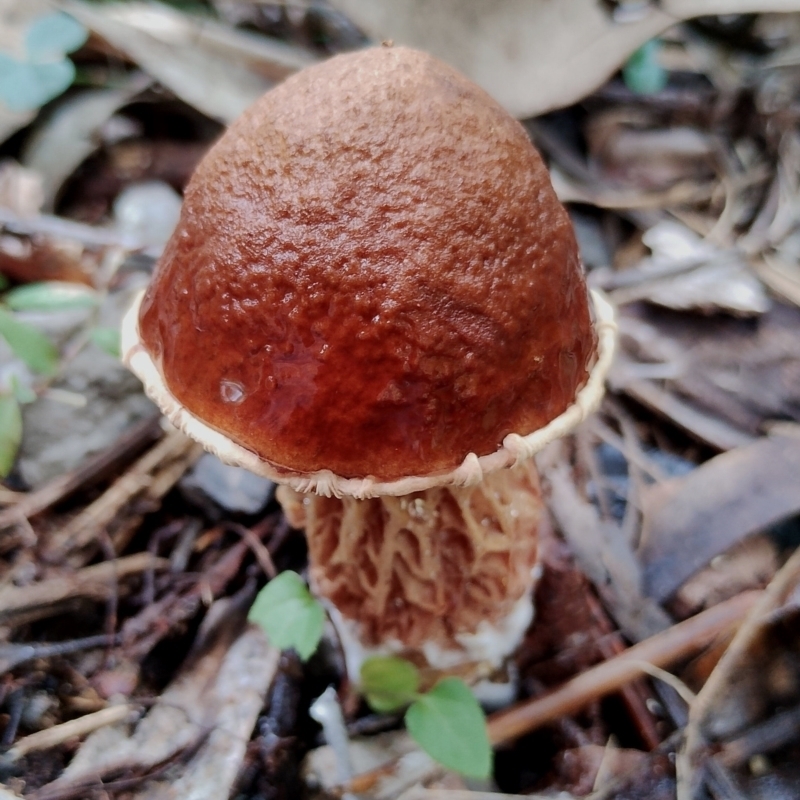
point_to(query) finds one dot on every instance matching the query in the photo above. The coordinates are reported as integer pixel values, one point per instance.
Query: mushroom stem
(443, 577)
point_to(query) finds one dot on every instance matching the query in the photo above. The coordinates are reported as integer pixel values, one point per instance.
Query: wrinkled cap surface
(371, 275)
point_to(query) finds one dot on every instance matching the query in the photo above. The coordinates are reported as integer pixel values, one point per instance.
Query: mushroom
(374, 297)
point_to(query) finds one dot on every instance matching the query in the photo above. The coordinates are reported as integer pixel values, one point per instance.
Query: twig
(59, 228)
(762, 738)
(90, 582)
(258, 548)
(12, 655)
(660, 650)
(83, 528)
(690, 757)
(125, 448)
(663, 649)
(58, 734)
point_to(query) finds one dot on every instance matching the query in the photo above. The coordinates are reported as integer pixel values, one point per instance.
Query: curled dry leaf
(533, 55)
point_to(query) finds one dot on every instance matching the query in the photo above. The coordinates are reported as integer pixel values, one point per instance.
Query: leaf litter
(128, 661)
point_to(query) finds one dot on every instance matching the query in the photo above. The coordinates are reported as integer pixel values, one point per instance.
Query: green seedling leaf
(10, 432)
(289, 614)
(449, 725)
(29, 344)
(23, 393)
(51, 296)
(389, 682)
(52, 36)
(643, 73)
(25, 86)
(107, 339)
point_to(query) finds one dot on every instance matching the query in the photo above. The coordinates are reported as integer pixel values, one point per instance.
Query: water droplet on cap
(231, 392)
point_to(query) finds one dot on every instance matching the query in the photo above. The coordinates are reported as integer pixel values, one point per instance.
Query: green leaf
(449, 725)
(107, 339)
(25, 86)
(10, 432)
(3, 282)
(643, 73)
(53, 35)
(389, 682)
(51, 296)
(29, 344)
(289, 614)
(22, 392)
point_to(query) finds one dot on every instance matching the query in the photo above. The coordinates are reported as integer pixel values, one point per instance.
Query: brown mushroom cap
(371, 276)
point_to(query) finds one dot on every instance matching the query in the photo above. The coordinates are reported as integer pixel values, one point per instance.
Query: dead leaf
(688, 521)
(69, 135)
(751, 564)
(211, 67)
(630, 148)
(222, 691)
(686, 272)
(723, 379)
(533, 55)
(781, 276)
(600, 550)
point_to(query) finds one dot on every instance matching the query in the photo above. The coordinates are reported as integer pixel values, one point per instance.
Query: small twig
(12, 655)
(685, 693)
(769, 735)
(74, 728)
(663, 649)
(89, 582)
(85, 527)
(258, 548)
(125, 448)
(691, 756)
(60, 228)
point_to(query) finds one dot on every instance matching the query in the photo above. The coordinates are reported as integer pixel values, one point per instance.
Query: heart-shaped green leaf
(389, 682)
(289, 614)
(449, 725)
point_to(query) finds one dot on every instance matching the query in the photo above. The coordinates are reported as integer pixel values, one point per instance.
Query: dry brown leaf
(688, 521)
(533, 55)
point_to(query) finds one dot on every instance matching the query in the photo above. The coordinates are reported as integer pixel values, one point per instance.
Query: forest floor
(663, 661)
